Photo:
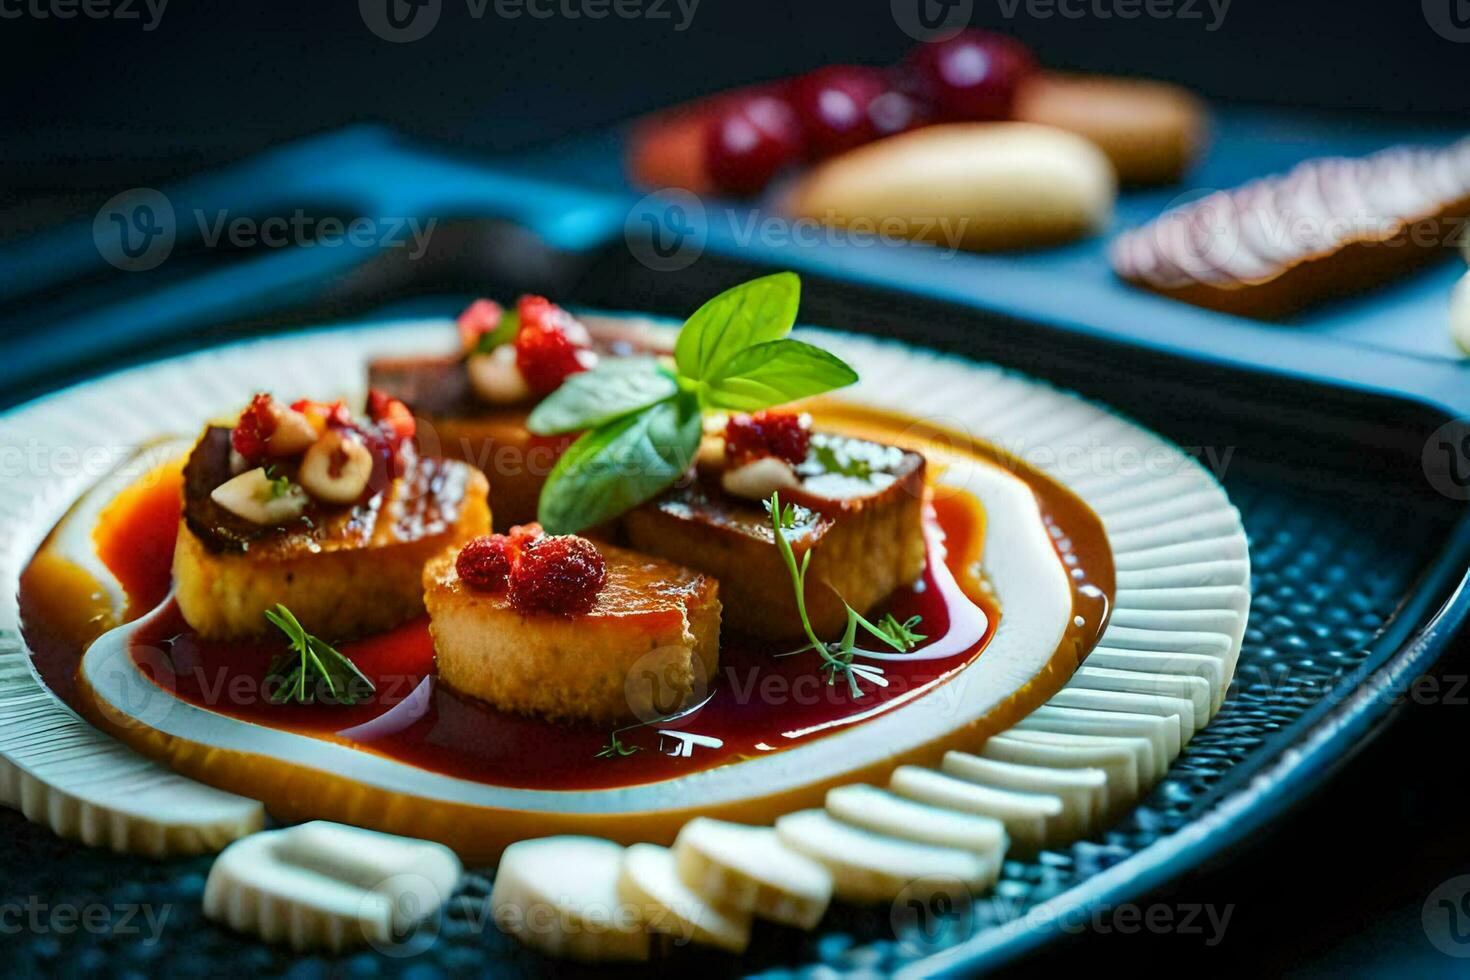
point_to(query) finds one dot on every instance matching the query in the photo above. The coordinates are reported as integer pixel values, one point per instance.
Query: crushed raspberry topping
(550, 345)
(478, 319)
(485, 562)
(560, 574)
(785, 435)
(391, 415)
(254, 430)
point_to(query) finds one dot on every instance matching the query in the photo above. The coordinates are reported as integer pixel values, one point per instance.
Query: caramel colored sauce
(759, 703)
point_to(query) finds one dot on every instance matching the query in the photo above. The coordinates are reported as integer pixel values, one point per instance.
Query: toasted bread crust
(357, 575)
(648, 646)
(862, 550)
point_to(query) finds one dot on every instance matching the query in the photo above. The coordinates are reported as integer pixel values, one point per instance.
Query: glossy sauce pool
(758, 703)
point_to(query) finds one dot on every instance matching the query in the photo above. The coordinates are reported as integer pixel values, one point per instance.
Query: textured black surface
(1329, 577)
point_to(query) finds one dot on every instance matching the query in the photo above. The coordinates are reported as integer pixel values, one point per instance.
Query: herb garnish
(280, 485)
(615, 747)
(837, 656)
(831, 461)
(505, 331)
(643, 418)
(311, 664)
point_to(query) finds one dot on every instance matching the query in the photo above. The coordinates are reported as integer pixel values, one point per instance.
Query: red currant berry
(485, 562)
(551, 345)
(971, 76)
(896, 111)
(562, 574)
(784, 435)
(834, 103)
(750, 140)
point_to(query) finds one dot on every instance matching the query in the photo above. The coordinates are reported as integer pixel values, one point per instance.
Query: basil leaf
(618, 466)
(611, 390)
(505, 331)
(775, 373)
(751, 313)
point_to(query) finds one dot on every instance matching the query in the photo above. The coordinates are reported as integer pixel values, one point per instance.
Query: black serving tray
(1359, 555)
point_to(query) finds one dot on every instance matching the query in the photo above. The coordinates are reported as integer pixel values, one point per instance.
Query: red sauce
(756, 698)
(759, 702)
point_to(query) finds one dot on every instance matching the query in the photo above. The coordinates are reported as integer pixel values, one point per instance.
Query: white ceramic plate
(1179, 549)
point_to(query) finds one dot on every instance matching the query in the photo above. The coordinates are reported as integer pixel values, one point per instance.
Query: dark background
(88, 107)
(104, 104)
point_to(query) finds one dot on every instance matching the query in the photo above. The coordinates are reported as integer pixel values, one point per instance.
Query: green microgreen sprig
(641, 418)
(837, 656)
(310, 665)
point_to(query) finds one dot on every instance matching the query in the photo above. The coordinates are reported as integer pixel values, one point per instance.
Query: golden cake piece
(865, 536)
(343, 570)
(649, 645)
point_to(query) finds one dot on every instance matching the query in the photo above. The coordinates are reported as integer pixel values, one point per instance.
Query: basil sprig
(642, 420)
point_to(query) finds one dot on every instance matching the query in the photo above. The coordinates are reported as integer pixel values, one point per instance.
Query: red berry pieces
(478, 319)
(550, 345)
(562, 574)
(833, 104)
(750, 140)
(784, 435)
(485, 562)
(971, 76)
(254, 430)
(333, 415)
(523, 535)
(391, 415)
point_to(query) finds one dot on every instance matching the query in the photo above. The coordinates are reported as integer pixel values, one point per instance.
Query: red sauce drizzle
(757, 699)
